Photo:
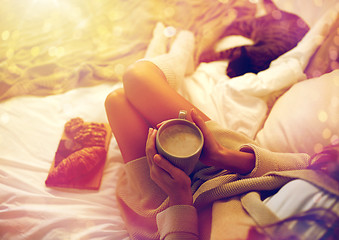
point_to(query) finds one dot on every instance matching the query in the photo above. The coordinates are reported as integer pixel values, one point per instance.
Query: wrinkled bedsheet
(52, 46)
(31, 126)
(243, 103)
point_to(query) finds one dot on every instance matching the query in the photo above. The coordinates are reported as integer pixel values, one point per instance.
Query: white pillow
(305, 118)
(310, 11)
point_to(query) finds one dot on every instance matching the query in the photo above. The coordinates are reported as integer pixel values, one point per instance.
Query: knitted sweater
(144, 205)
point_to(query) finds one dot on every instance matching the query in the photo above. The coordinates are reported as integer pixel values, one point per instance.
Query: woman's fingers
(159, 172)
(159, 124)
(173, 181)
(150, 146)
(166, 165)
(209, 155)
(202, 126)
(198, 121)
(165, 170)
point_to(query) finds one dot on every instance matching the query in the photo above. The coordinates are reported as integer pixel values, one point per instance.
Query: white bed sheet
(242, 103)
(31, 127)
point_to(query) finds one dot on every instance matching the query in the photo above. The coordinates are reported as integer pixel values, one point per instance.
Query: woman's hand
(212, 151)
(169, 178)
(214, 154)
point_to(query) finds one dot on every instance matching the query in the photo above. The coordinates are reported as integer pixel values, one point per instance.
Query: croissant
(91, 134)
(73, 126)
(76, 165)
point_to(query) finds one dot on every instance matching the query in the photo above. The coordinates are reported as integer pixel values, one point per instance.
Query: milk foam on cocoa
(180, 140)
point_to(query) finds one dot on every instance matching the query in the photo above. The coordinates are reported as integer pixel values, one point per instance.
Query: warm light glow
(318, 147)
(170, 31)
(326, 133)
(335, 139)
(5, 35)
(46, 2)
(4, 118)
(318, 3)
(336, 82)
(322, 116)
(169, 12)
(35, 51)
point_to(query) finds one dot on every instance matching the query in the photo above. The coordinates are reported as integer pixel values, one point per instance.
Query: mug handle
(182, 114)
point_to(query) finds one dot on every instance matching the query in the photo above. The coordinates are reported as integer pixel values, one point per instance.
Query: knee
(114, 99)
(137, 74)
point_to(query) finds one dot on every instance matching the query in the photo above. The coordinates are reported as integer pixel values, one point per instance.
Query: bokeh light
(322, 116)
(5, 35)
(119, 70)
(335, 139)
(170, 31)
(318, 3)
(318, 147)
(326, 133)
(169, 12)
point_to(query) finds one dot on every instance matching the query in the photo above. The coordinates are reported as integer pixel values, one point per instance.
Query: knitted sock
(179, 61)
(158, 44)
(183, 49)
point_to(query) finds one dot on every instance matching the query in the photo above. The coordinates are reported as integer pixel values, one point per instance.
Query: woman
(159, 200)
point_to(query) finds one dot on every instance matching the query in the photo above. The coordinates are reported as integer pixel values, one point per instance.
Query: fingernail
(194, 111)
(156, 158)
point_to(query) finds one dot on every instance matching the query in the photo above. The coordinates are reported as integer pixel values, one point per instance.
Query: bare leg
(147, 90)
(147, 99)
(128, 126)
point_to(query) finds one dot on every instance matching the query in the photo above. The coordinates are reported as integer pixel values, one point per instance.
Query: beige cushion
(305, 118)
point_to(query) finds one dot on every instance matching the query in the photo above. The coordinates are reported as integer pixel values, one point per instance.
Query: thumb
(166, 166)
(199, 121)
(163, 163)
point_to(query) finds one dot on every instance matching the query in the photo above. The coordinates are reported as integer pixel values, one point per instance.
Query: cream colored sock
(158, 44)
(179, 61)
(183, 50)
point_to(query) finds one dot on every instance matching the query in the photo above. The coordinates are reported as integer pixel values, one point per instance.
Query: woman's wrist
(236, 161)
(182, 196)
(181, 200)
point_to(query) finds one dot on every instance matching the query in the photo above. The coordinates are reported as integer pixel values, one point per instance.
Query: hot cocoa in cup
(180, 141)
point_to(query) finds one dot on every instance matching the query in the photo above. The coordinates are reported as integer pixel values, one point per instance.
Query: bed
(52, 71)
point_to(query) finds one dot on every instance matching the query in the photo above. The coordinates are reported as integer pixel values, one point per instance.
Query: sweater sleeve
(267, 161)
(178, 222)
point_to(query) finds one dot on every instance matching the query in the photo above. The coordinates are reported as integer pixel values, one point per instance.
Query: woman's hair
(326, 161)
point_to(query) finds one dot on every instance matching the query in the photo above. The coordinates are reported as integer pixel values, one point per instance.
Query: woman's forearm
(236, 161)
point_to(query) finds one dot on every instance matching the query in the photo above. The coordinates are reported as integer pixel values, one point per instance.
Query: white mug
(180, 142)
